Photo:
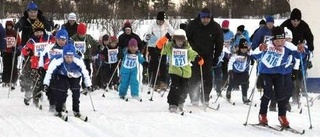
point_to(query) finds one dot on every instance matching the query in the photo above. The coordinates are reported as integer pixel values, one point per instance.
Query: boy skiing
(65, 73)
(180, 54)
(275, 68)
(238, 70)
(129, 70)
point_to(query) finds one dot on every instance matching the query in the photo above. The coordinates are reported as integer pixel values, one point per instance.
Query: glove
(161, 42)
(41, 71)
(45, 88)
(309, 64)
(301, 48)
(168, 36)
(230, 73)
(199, 59)
(294, 74)
(263, 47)
(145, 64)
(30, 52)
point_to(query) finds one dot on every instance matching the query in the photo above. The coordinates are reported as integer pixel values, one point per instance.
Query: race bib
(39, 47)
(130, 61)
(11, 41)
(112, 56)
(80, 46)
(241, 63)
(55, 52)
(272, 58)
(179, 57)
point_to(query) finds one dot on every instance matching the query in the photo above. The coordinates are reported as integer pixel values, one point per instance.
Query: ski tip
(234, 103)
(148, 92)
(127, 99)
(255, 105)
(86, 119)
(103, 95)
(245, 124)
(303, 131)
(66, 119)
(140, 100)
(182, 114)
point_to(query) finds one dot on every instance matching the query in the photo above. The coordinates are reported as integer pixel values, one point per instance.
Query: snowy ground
(116, 118)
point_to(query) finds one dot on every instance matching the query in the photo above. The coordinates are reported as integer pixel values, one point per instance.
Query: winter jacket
(300, 33)
(130, 62)
(12, 34)
(227, 35)
(2, 38)
(237, 38)
(71, 29)
(91, 44)
(157, 31)
(30, 47)
(76, 69)
(182, 71)
(25, 25)
(50, 51)
(102, 55)
(205, 40)
(239, 63)
(124, 39)
(275, 62)
(260, 36)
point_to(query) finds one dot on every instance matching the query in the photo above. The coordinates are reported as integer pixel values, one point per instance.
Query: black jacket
(71, 29)
(25, 25)
(124, 40)
(300, 33)
(205, 40)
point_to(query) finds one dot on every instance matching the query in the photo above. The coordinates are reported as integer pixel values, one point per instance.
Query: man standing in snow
(206, 38)
(71, 25)
(126, 36)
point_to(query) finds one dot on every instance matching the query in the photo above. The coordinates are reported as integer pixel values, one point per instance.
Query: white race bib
(272, 58)
(80, 46)
(112, 56)
(55, 52)
(179, 57)
(267, 39)
(241, 63)
(130, 61)
(39, 47)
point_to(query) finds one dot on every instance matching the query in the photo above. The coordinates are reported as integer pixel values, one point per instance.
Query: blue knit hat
(62, 34)
(269, 19)
(69, 49)
(32, 6)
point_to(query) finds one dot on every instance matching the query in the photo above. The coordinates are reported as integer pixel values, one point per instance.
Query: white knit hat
(288, 33)
(180, 32)
(72, 16)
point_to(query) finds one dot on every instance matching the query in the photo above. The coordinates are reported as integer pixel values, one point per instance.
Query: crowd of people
(200, 57)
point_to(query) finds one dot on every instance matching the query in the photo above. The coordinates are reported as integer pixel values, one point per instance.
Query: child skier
(65, 73)
(180, 54)
(275, 70)
(238, 70)
(129, 70)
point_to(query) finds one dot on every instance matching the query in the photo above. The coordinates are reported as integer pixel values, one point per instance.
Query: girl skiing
(180, 54)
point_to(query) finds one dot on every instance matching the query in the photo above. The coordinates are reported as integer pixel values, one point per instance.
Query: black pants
(7, 67)
(60, 87)
(281, 85)
(239, 79)
(105, 74)
(177, 93)
(154, 62)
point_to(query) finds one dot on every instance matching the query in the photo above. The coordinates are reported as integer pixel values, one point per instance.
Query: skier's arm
(84, 71)
(231, 61)
(52, 66)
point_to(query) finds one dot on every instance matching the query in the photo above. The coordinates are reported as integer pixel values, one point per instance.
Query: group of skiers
(198, 57)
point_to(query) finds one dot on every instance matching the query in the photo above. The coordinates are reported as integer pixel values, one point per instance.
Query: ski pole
(115, 70)
(202, 89)
(33, 88)
(305, 89)
(91, 101)
(13, 61)
(156, 77)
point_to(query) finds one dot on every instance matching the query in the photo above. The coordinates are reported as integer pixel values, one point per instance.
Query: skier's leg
(134, 84)
(124, 84)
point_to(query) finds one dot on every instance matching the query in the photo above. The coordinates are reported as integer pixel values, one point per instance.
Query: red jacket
(30, 46)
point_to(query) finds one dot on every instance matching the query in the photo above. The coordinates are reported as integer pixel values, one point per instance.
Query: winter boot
(263, 119)
(245, 100)
(122, 97)
(283, 121)
(180, 107)
(26, 102)
(76, 114)
(173, 108)
(228, 95)
(52, 108)
(58, 114)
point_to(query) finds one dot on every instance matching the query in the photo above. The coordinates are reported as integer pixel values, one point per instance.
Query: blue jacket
(275, 62)
(130, 62)
(76, 69)
(2, 38)
(259, 37)
(237, 38)
(239, 63)
(228, 35)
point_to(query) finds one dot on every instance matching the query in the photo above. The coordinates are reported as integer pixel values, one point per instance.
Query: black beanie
(161, 15)
(278, 33)
(262, 22)
(295, 14)
(105, 37)
(240, 28)
(243, 43)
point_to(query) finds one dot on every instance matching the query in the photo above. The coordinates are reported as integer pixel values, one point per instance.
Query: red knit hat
(225, 24)
(82, 29)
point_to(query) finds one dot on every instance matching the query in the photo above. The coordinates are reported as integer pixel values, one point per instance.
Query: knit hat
(225, 24)
(132, 43)
(183, 26)
(262, 22)
(240, 28)
(72, 16)
(113, 39)
(243, 43)
(269, 19)
(9, 23)
(32, 6)
(205, 13)
(278, 33)
(295, 14)
(37, 26)
(288, 33)
(179, 33)
(82, 29)
(69, 49)
(161, 15)
(105, 37)
(62, 34)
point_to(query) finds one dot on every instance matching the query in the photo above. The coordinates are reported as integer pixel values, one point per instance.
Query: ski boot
(283, 121)
(173, 108)
(52, 108)
(245, 100)
(180, 107)
(26, 102)
(76, 114)
(228, 95)
(263, 119)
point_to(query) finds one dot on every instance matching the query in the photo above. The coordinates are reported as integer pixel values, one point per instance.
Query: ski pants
(239, 79)
(177, 93)
(281, 85)
(60, 87)
(129, 78)
(154, 54)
